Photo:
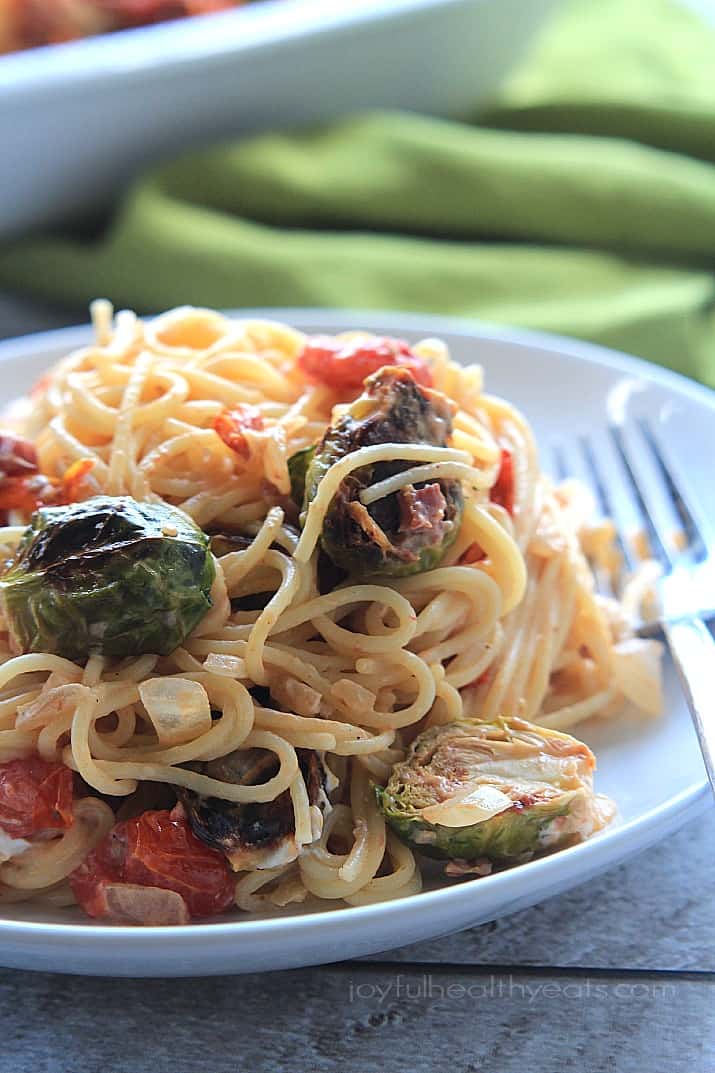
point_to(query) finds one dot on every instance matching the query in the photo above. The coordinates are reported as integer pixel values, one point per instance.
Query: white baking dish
(78, 120)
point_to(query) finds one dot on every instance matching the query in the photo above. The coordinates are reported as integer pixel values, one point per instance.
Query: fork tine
(603, 498)
(655, 540)
(693, 528)
(561, 467)
(564, 469)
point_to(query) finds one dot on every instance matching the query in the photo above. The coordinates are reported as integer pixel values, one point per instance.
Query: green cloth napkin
(583, 203)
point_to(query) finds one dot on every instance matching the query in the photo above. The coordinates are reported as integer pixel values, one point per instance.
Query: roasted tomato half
(35, 796)
(156, 851)
(232, 425)
(343, 364)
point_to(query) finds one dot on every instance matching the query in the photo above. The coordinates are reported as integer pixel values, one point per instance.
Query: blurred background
(545, 163)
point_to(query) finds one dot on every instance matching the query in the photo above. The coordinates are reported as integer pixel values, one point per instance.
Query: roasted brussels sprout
(501, 791)
(259, 835)
(403, 533)
(109, 576)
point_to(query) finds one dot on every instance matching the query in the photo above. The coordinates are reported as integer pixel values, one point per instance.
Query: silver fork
(686, 589)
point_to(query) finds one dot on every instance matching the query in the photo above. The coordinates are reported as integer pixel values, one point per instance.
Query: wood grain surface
(358, 1018)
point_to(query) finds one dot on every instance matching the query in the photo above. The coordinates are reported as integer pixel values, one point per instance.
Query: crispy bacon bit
(421, 508)
(35, 796)
(18, 456)
(473, 554)
(502, 491)
(231, 426)
(155, 849)
(343, 364)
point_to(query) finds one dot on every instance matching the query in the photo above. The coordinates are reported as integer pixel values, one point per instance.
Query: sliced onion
(11, 847)
(178, 708)
(636, 664)
(474, 804)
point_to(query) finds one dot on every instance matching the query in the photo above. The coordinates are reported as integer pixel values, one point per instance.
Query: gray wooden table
(614, 977)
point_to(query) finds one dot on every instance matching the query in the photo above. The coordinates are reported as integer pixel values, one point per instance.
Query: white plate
(77, 121)
(651, 767)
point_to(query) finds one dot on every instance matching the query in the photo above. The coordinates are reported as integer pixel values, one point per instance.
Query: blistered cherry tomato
(502, 491)
(343, 364)
(232, 424)
(156, 849)
(72, 486)
(35, 796)
(27, 493)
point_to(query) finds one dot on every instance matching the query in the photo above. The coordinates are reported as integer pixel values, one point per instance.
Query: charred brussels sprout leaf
(502, 790)
(297, 469)
(109, 576)
(403, 533)
(224, 543)
(257, 834)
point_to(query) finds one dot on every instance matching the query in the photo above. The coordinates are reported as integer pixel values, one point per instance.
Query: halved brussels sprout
(108, 576)
(501, 791)
(403, 533)
(256, 835)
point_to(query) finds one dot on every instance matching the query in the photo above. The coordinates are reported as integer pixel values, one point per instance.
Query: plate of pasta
(301, 652)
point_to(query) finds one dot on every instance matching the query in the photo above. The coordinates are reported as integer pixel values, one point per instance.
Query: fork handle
(693, 651)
